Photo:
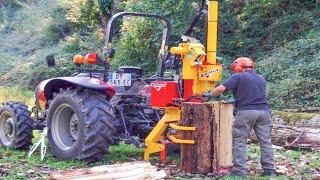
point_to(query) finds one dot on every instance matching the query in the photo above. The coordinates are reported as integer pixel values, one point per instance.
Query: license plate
(120, 79)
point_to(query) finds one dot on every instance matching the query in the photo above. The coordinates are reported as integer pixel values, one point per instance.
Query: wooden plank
(197, 158)
(134, 173)
(216, 137)
(139, 169)
(225, 142)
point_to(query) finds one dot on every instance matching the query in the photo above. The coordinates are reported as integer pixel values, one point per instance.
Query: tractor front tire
(80, 125)
(16, 126)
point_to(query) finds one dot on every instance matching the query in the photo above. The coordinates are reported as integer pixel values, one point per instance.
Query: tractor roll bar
(165, 22)
(164, 43)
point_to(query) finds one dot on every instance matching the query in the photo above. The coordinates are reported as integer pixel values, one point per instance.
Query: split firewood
(132, 170)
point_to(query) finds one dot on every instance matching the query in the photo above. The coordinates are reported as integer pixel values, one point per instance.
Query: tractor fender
(46, 88)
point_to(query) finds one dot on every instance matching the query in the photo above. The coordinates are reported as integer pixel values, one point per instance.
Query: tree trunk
(197, 158)
(296, 119)
(307, 109)
(104, 23)
(293, 137)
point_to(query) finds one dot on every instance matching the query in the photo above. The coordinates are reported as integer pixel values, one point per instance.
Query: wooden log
(225, 120)
(307, 109)
(132, 170)
(216, 138)
(294, 137)
(213, 137)
(297, 119)
(197, 158)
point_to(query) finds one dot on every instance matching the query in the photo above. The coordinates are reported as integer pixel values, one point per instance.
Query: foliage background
(282, 36)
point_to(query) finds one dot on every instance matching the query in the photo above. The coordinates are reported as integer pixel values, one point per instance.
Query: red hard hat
(240, 63)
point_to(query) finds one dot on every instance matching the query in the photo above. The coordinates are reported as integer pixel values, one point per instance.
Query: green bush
(293, 72)
(59, 27)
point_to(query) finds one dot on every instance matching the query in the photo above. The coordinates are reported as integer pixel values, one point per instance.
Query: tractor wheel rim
(64, 127)
(7, 128)
(74, 126)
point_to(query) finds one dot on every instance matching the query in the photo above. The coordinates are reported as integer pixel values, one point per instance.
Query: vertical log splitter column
(212, 36)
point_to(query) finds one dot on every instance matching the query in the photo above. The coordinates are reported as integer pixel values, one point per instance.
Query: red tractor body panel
(46, 88)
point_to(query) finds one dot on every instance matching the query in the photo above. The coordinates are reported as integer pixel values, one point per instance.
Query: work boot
(268, 172)
(237, 175)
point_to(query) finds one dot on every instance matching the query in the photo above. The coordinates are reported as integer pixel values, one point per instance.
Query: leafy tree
(139, 41)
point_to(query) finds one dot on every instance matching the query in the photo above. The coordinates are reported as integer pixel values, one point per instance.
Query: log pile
(293, 129)
(294, 137)
(297, 119)
(306, 109)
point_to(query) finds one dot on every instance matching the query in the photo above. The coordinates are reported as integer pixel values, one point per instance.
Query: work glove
(207, 94)
(230, 101)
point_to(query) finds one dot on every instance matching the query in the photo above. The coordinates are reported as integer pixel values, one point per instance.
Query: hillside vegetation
(281, 35)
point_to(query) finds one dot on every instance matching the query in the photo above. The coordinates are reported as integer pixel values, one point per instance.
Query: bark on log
(213, 138)
(197, 158)
(293, 137)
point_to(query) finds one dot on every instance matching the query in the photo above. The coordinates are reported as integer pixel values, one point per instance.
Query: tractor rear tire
(16, 126)
(80, 125)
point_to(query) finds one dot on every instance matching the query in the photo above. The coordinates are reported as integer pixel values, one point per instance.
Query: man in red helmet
(252, 112)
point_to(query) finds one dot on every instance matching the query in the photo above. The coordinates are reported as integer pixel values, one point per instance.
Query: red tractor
(92, 109)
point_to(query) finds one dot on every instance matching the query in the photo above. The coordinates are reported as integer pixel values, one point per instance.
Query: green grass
(16, 94)
(302, 163)
(20, 165)
(118, 153)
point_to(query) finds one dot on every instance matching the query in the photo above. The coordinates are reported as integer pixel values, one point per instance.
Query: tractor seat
(136, 71)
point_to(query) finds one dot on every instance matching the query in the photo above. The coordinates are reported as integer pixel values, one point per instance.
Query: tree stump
(213, 137)
(197, 158)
